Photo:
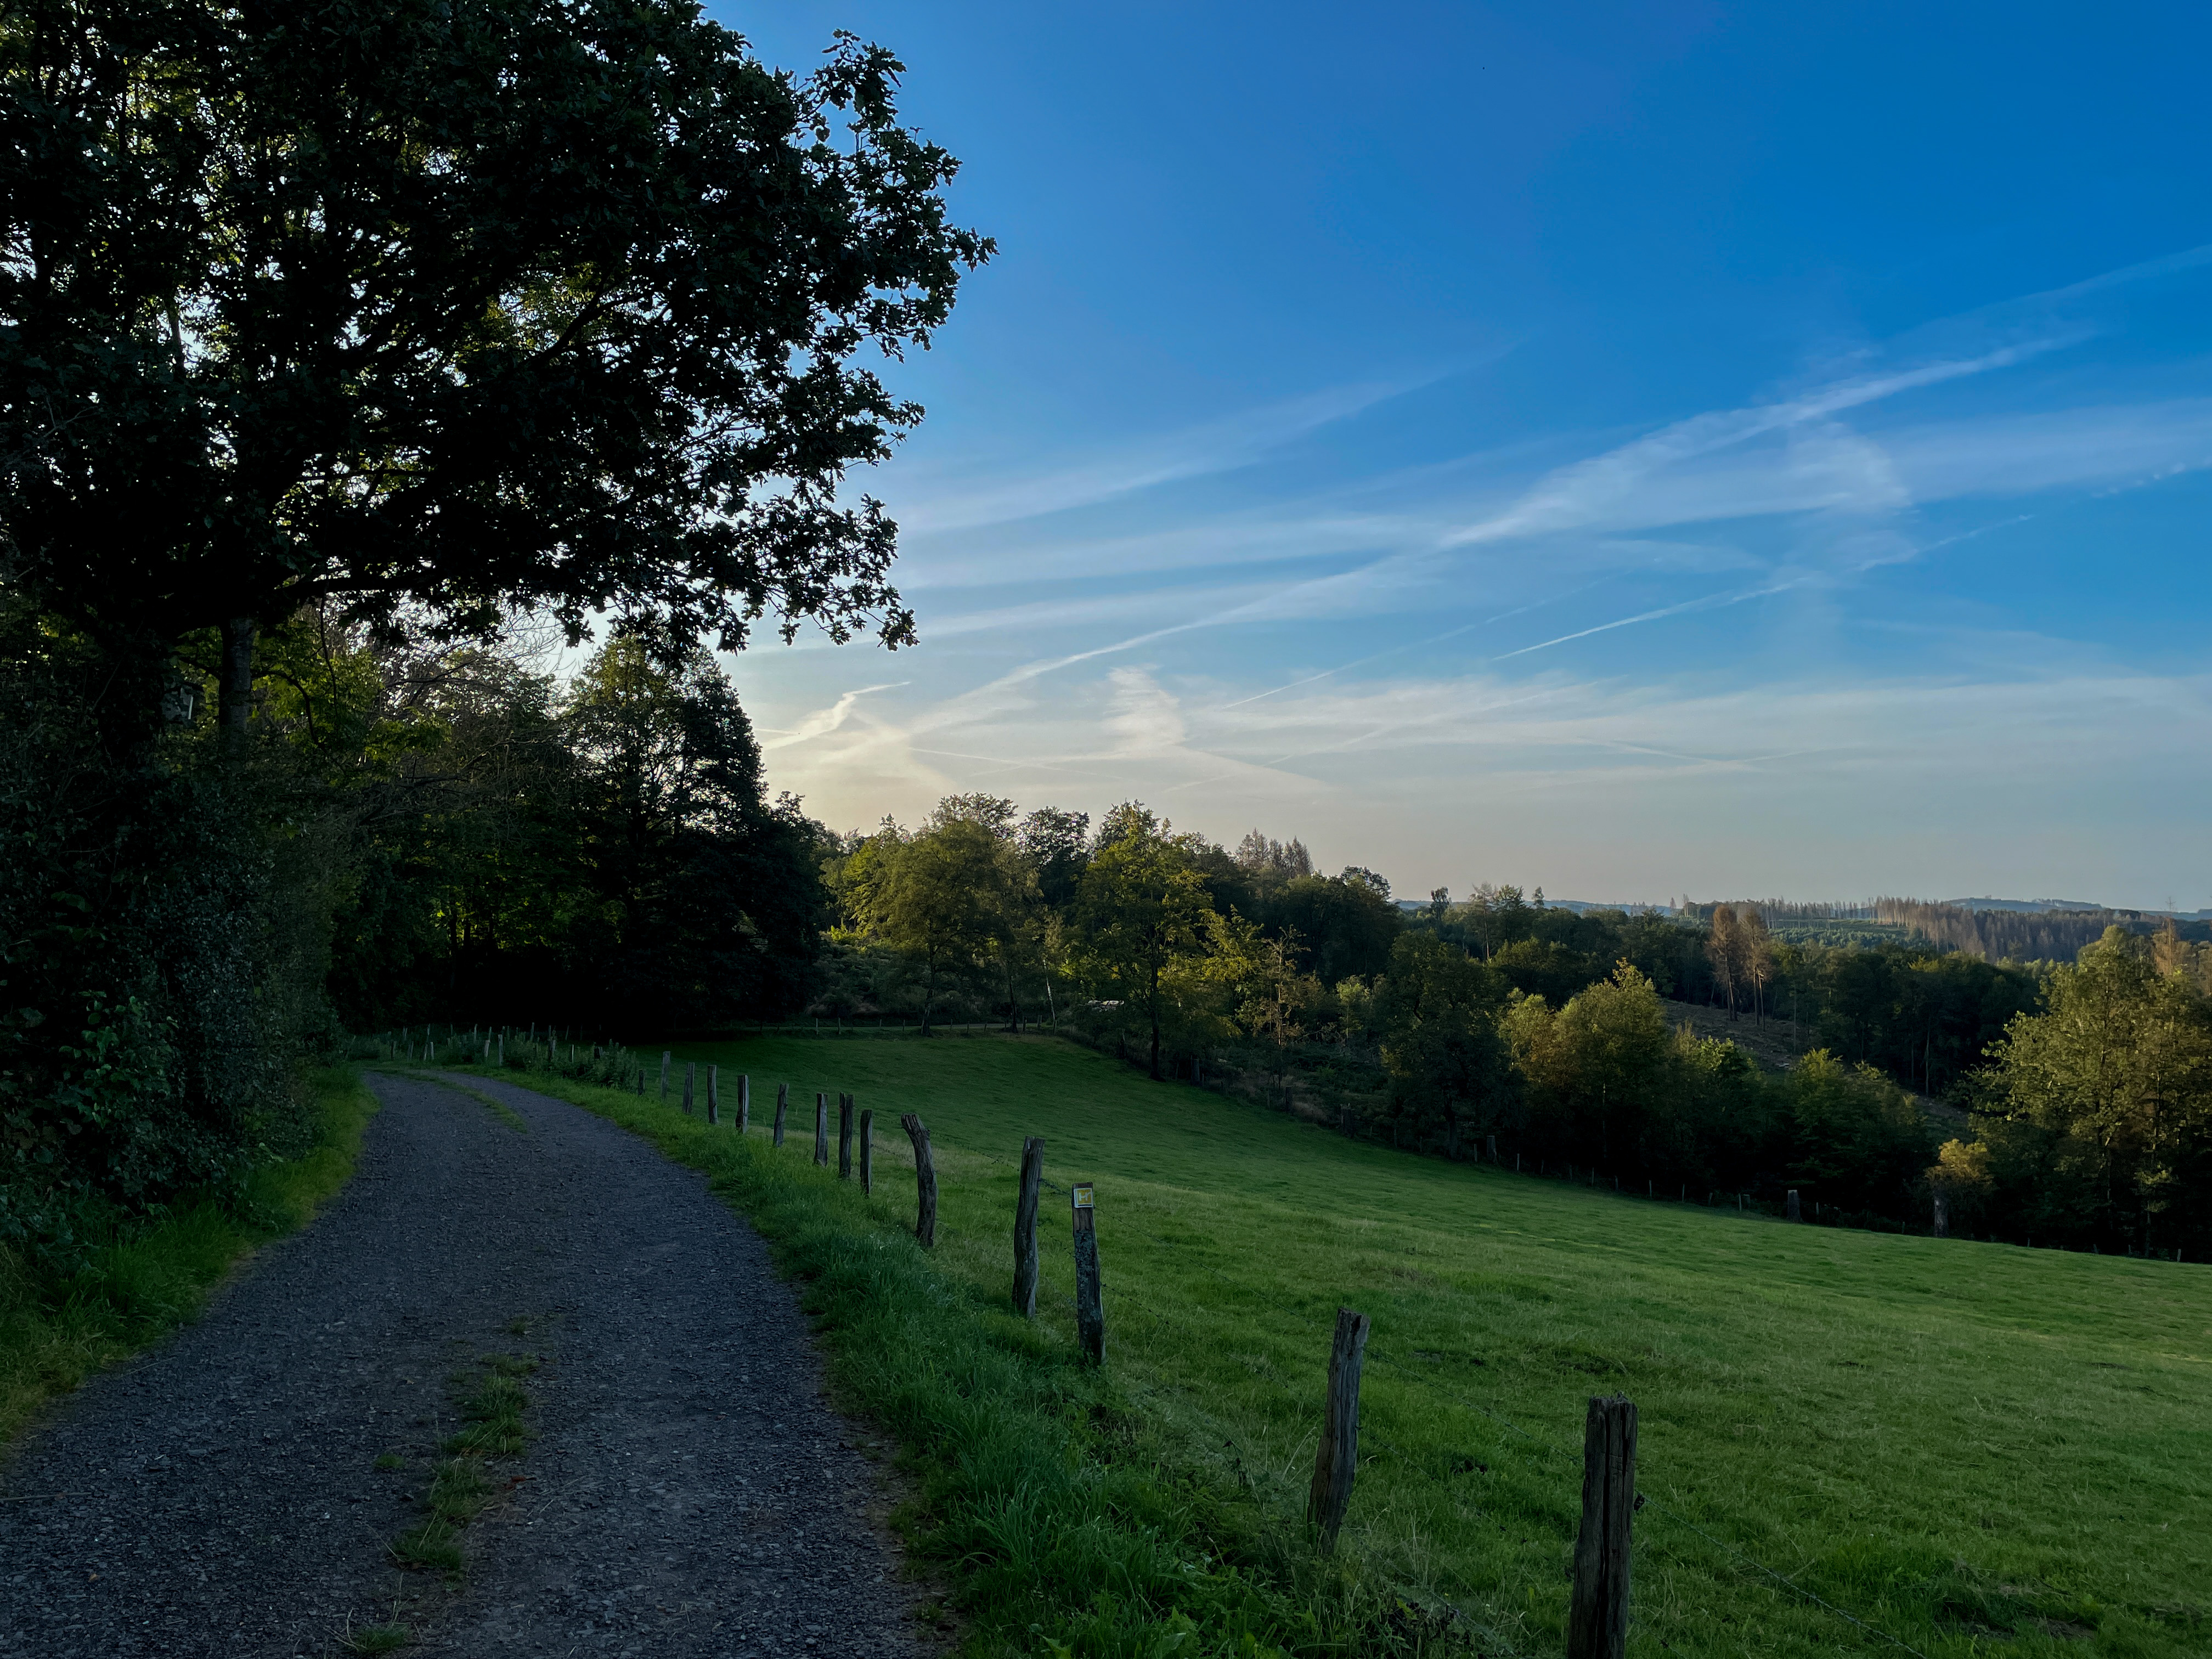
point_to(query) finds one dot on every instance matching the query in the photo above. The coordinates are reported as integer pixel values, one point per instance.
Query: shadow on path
(687, 1492)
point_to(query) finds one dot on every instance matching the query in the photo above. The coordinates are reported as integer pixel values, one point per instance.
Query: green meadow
(1969, 1448)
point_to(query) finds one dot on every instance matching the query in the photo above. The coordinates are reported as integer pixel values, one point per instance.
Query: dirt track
(687, 1492)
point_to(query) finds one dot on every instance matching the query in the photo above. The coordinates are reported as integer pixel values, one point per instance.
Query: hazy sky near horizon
(1631, 449)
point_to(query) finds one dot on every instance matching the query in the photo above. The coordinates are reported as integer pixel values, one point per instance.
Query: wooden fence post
(1337, 1460)
(782, 1104)
(1025, 1214)
(691, 1071)
(1796, 1212)
(821, 1128)
(1089, 1304)
(1943, 1212)
(867, 1153)
(745, 1101)
(1597, 1618)
(844, 1137)
(714, 1095)
(925, 1181)
(664, 1058)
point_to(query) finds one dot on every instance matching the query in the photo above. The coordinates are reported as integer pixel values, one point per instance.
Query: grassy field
(56, 1330)
(1951, 1441)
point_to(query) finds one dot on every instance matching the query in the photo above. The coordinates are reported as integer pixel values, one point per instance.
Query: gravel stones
(687, 1492)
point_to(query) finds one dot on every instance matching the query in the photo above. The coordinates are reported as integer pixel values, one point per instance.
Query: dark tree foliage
(608, 861)
(460, 303)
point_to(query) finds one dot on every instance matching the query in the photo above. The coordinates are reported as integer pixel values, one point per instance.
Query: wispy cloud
(929, 504)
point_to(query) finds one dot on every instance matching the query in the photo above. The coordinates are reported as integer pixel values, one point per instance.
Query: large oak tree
(436, 307)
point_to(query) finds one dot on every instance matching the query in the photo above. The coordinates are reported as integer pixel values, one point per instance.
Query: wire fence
(615, 1059)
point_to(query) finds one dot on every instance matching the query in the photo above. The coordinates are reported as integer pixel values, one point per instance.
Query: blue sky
(1721, 449)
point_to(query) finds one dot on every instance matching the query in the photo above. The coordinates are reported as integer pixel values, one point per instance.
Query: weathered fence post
(664, 1058)
(1597, 1618)
(867, 1153)
(1490, 1143)
(745, 1101)
(1794, 1210)
(925, 1181)
(713, 1096)
(1942, 1213)
(844, 1137)
(1090, 1305)
(691, 1071)
(1337, 1459)
(1025, 1214)
(821, 1128)
(782, 1105)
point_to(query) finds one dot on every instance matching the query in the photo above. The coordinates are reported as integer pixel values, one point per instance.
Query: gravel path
(687, 1490)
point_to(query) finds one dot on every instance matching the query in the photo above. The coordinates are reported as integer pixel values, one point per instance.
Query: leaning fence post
(844, 1136)
(713, 1096)
(1794, 1210)
(821, 1128)
(1090, 1307)
(690, 1071)
(925, 1181)
(744, 1100)
(1337, 1459)
(1025, 1211)
(867, 1153)
(1597, 1618)
(782, 1104)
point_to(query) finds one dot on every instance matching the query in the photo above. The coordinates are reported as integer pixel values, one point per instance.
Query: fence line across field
(1642, 1500)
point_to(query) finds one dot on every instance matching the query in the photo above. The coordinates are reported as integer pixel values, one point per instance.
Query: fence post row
(782, 1105)
(1336, 1460)
(867, 1153)
(1089, 1306)
(1025, 1218)
(714, 1099)
(925, 1181)
(1597, 1618)
(821, 1128)
(844, 1137)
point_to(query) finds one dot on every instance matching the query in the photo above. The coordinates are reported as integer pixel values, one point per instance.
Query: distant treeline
(2021, 935)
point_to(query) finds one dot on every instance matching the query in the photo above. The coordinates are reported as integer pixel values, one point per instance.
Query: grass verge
(57, 1330)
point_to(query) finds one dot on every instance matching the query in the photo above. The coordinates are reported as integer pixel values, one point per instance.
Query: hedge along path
(684, 1489)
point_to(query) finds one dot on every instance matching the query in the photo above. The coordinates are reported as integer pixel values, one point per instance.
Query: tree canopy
(454, 305)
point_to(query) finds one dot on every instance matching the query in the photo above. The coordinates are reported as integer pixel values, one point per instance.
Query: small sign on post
(1336, 1460)
(1090, 1307)
(1597, 1617)
(1025, 1224)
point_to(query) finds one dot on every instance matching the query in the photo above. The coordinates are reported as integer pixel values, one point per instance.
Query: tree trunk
(1154, 1006)
(235, 696)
